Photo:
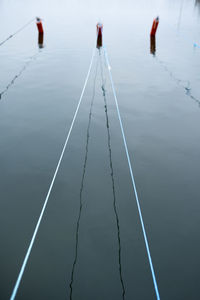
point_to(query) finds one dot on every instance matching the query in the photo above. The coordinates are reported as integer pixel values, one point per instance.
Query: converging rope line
(112, 179)
(20, 29)
(133, 180)
(17, 284)
(82, 183)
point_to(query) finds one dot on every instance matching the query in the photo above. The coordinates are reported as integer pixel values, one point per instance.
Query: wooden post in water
(99, 35)
(39, 25)
(154, 26)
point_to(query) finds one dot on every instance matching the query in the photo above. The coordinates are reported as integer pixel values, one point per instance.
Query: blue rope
(17, 284)
(133, 180)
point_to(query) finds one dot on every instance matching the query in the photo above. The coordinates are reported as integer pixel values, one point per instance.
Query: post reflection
(153, 45)
(41, 40)
(197, 2)
(197, 5)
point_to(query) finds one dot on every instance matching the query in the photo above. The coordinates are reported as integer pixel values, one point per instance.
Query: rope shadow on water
(112, 179)
(82, 186)
(132, 177)
(18, 75)
(185, 84)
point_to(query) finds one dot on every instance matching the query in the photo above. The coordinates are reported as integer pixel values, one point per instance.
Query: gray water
(90, 243)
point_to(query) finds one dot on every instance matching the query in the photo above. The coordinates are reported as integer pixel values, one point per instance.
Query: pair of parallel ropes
(26, 258)
(99, 58)
(25, 261)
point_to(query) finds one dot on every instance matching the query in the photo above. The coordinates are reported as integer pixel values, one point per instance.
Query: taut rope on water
(133, 180)
(20, 275)
(16, 32)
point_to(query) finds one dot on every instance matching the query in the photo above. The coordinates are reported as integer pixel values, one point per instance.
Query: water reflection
(153, 45)
(197, 4)
(185, 84)
(180, 15)
(17, 75)
(112, 178)
(82, 185)
(40, 40)
(83, 178)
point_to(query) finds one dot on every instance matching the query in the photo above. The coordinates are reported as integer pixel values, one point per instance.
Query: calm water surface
(90, 243)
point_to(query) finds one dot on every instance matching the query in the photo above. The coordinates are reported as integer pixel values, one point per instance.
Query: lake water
(90, 243)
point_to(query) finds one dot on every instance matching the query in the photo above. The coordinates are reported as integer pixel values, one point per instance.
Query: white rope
(20, 29)
(50, 188)
(133, 180)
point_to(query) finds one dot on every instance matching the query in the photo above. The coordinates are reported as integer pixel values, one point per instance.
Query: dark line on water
(113, 182)
(18, 75)
(185, 84)
(180, 16)
(82, 186)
